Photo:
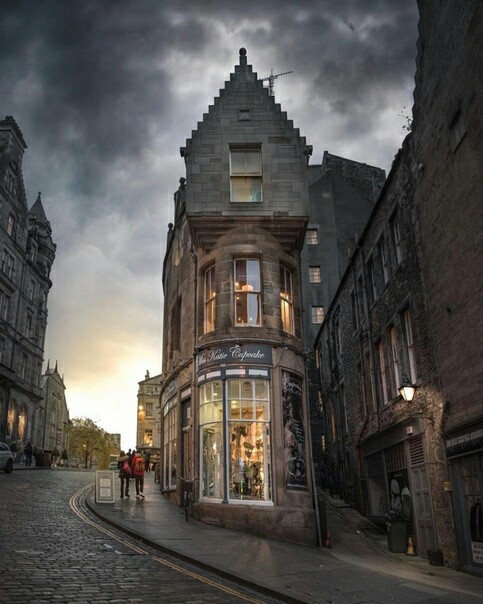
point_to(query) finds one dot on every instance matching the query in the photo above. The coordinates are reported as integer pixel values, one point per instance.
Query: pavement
(287, 571)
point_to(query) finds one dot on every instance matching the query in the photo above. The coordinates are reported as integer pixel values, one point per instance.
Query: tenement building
(233, 398)
(27, 253)
(51, 425)
(342, 194)
(400, 346)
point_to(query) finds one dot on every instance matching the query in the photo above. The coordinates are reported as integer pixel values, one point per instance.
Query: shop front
(464, 452)
(252, 451)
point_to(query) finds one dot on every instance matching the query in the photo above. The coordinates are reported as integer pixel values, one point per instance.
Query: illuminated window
(317, 315)
(148, 438)
(312, 237)
(210, 296)
(314, 274)
(286, 300)
(246, 175)
(247, 292)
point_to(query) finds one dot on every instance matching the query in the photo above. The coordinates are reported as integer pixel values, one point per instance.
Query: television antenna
(271, 80)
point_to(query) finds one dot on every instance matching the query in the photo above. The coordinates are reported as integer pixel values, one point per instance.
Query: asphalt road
(51, 550)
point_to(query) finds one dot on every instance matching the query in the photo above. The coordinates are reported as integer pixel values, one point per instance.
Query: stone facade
(407, 308)
(52, 416)
(233, 403)
(148, 417)
(27, 253)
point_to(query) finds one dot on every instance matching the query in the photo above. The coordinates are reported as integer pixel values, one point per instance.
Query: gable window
(317, 315)
(314, 274)
(312, 237)
(247, 292)
(286, 300)
(246, 175)
(210, 295)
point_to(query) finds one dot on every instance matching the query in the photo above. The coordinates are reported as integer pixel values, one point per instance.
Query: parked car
(6, 458)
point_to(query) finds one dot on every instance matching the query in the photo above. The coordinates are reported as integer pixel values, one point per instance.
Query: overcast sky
(106, 91)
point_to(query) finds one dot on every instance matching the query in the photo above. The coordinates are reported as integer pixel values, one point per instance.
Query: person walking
(28, 452)
(147, 461)
(125, 473)
(63, 460)
(138, 468)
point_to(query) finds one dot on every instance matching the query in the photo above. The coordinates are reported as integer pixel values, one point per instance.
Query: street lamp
(406, 389)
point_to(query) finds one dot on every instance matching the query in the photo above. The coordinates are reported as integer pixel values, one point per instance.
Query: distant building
(115, 439)
(51, 425)
(27, 253)
(148, 437)
(408, 310)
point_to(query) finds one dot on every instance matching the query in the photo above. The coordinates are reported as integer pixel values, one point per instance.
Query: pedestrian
(147, 459)
(63, 460)
(13, 448)
(125, 473)
(55, 457)
(28, 452)
(138, 467)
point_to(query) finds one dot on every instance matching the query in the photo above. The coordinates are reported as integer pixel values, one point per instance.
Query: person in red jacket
(138, 467)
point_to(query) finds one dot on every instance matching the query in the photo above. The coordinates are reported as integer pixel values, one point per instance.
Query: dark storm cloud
(90, 76)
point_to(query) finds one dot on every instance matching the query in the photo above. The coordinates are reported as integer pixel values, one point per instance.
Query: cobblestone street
(49, 554)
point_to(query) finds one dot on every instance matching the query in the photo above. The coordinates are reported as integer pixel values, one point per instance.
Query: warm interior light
(406, 389)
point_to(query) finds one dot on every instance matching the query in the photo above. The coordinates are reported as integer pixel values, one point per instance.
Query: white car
(6, 458)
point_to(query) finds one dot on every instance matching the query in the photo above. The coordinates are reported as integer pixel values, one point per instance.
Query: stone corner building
(233, 399)
(27, 253)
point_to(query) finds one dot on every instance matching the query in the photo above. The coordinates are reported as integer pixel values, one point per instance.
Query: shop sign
(245, 354)
(466, 443)
(169, 392)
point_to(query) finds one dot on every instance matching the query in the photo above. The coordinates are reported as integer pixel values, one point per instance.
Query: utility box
(397, 535)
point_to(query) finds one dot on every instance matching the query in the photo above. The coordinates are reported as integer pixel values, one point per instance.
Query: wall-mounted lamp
(406, 389)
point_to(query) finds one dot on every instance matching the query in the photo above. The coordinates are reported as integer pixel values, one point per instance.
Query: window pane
(212, 461)
(249, 454)
(312, 237)
(314, 274)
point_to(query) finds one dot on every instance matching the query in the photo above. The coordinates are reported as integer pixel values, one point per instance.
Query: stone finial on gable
(243, 57)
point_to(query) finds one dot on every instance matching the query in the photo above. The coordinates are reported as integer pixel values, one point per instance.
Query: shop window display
(248, 437)
(248, 428)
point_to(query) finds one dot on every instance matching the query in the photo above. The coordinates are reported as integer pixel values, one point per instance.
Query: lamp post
(406, 389)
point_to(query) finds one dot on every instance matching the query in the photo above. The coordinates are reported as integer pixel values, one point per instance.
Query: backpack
(139, 465)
